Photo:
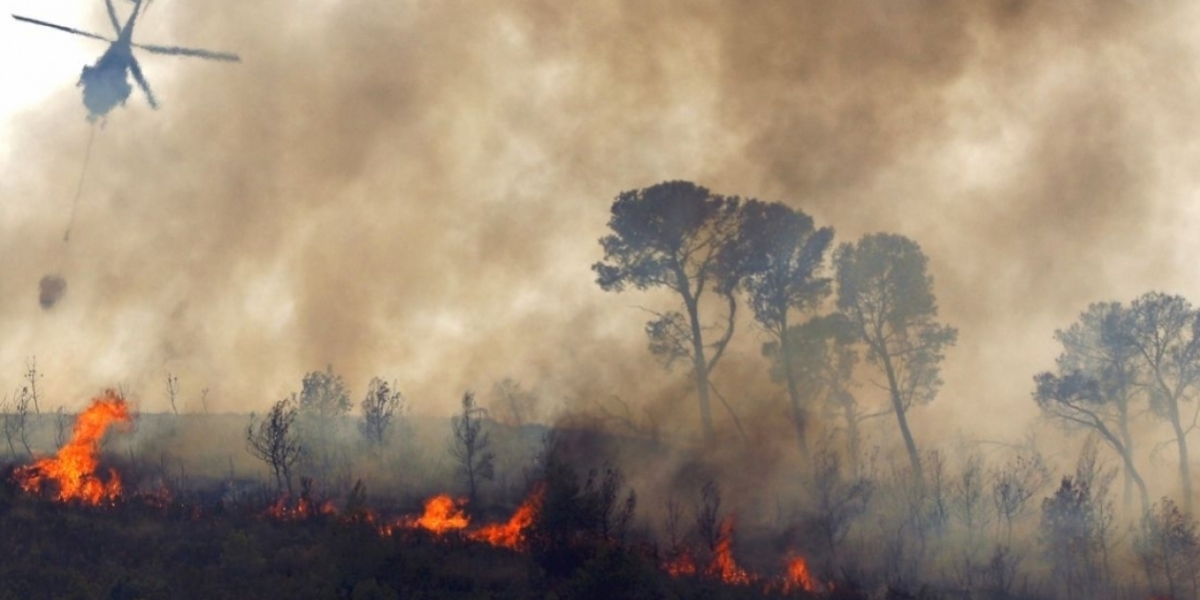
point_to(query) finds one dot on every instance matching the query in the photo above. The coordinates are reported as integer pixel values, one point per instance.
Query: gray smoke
(415, 189)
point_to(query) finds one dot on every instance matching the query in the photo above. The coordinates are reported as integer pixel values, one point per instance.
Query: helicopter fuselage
(106, 83)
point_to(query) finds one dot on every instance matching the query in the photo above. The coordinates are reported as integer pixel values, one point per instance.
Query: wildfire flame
(443, 514)
(682, 565)
(73, 469)
(512, 533)
(797, 576)
(283, 509)
(723, 566)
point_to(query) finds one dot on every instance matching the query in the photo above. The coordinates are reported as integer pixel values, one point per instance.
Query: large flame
(512, 533)
(723, 566)
(73, 469)
(443, 514)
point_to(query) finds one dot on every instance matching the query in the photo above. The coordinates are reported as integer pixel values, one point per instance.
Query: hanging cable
(87, 157)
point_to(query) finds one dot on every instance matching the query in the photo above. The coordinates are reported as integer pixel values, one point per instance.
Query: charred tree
(470, 446)
(173, 392)
(273, 440)
(380, 408)
(31, 381)
(510, 399)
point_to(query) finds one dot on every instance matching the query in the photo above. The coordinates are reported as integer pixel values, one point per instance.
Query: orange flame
(282, 509)
(442, 514)
(74, 467)
(512, 533)
(682, 565)
(797, 577)
(723, 566)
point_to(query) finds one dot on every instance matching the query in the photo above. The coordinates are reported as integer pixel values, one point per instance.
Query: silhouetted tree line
(701, 245)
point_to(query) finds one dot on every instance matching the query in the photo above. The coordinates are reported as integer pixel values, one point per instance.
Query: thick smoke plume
(415, 189)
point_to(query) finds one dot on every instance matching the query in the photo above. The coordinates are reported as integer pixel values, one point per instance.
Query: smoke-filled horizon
(415, 190)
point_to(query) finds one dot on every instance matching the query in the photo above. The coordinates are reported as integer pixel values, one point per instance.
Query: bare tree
(967, 497)
(274, 441)
(708, 515)
(968, 505)
(615, 413)
(172, 391)
(10, 424)
(1074, 526)
(838, 501)
(31, 381)
(1012, 487)
(60, 427)
(1169, 548)
(380, 407)
(470, 446)
(508, 398)
(673, 523)
(16, 420)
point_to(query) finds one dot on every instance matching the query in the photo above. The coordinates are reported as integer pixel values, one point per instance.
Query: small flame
(797, 577)
(681, 565)
(512, 533)
(283, 510)
(74, 467)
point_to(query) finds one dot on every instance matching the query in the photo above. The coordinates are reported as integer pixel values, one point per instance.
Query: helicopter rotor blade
(136, 69)
(112, 16)
(62, 28)
(178, 51)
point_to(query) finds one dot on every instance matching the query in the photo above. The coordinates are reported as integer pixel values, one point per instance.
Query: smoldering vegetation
(415, 191)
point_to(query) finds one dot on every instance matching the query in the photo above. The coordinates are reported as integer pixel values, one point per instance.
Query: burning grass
(73, 471)
(75, 475)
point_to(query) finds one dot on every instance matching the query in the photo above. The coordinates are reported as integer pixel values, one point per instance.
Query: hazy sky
(415, 189)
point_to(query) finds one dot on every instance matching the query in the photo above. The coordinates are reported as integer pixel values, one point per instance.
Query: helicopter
(105, 83)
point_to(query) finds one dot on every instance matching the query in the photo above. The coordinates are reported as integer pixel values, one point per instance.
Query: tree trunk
(853, 442)
(914, 456)
(700, 365)
(1131, 472)
(279, 478)
(1127, 441)
(1185, 471)
(799, 415)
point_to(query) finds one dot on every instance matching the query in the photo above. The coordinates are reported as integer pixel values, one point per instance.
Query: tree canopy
(680, 236)
(886, 291)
